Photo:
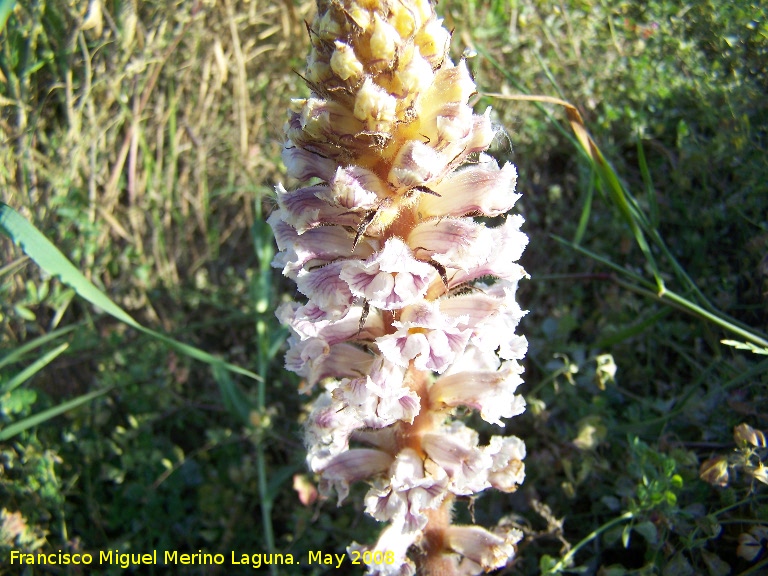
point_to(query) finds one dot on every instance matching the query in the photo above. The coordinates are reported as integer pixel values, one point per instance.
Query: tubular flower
(410, 312)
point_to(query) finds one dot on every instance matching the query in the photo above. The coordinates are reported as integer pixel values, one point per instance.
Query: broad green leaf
(648, 531)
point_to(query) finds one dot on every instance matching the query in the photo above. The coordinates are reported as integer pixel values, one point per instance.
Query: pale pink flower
(425, 336)
(389, 279)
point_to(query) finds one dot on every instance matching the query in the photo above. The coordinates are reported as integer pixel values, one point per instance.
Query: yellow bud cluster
(374, 62)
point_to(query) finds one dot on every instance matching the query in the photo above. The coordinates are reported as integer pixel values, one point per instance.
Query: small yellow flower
(715, 471)
(744, 434)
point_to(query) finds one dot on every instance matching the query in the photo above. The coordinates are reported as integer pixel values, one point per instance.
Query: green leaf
(236, 403)
(44, 416)
(50, 259)
(626, 535)
(650, 191)
(746, 346)
(586, 210)
(33, 368)
(6, 7)
(18, 353)
(648, 531)
(678, 566)
(25, 313)
(17, 401)
(547, 564)
(670, 497)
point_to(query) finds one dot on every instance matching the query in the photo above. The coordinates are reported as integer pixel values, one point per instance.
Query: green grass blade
(745, 346)
(45, 415)
(50, 259)
(6, 7)
(586, 210)
(670, 298)
(627, 208)
(632, 330)
(621, 270)
(18, 353)
(33, 368)
(236, 403)
(650, 191)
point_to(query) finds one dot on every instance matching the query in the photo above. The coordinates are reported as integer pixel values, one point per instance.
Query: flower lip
(390, 279)
(353, 465)
(487, 549)
(425, 336)
(491, 393)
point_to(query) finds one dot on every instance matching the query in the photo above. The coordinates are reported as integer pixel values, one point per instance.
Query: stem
(265, 501)
(435, 562)
(677, 301)
(756, 569)
(563, 562)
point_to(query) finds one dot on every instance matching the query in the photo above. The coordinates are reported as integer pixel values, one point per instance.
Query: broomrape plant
(411, 309)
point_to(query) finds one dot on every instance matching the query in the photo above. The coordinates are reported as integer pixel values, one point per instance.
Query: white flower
(350, 466)
(482, 547)
(491, 393)
(426, 336)
(379, 398)
(393, 540)
(389, 279)
(455, 450)
(481, 187)
(406, 493)
(507, 470)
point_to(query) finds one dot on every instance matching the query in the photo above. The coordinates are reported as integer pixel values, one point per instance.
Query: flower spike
(410, 315)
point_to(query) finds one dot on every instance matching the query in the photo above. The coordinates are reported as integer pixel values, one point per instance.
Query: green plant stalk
(677, 301)
(671, 298)
(563, 562)
(262, 239)
(261, 462)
